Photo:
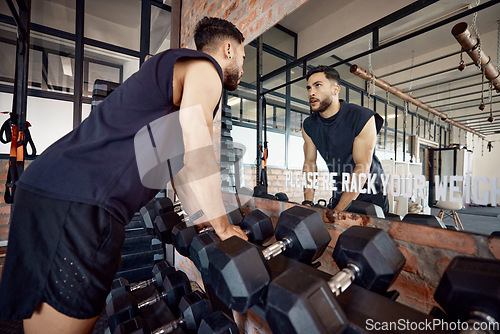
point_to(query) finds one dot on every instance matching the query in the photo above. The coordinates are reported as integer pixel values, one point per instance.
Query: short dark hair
(212, 29)
(330, 72)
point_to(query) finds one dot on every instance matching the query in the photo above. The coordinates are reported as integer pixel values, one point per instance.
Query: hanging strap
(19, 138)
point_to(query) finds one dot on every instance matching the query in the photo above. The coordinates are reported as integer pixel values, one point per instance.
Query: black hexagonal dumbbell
(256, 225)
(298, 301)
(155, 208)
(469, 291)
(217, 323)
(124, 305)
(238, 270)
(193, 307)
(160, 279)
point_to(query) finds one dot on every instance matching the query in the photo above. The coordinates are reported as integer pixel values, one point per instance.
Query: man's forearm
(349, 196)
(309, 192)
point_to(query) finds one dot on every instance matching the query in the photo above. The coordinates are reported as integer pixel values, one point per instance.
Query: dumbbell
(256, 225)
(124, 305)
(469, 290)
(298, 301)
(160, 279)
(155, 208)
(217, 323)
(238, 270)
(193, 307)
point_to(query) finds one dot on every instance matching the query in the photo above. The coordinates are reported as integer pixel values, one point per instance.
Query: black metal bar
(375, 37)
(78, 82)
(429, 75)
(287, 116)
(15, 16)
(175, 30)
(22, 64)
(405, 11)
(161, 5)
(259, 107)
(24, 5)
(145, 30)
(111, 47)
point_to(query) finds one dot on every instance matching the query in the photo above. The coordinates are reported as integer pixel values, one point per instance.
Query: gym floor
(476, 219)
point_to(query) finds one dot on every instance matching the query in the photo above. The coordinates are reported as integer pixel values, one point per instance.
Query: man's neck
(333, 109)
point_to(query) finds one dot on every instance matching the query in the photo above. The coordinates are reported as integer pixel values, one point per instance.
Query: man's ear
(228, 49)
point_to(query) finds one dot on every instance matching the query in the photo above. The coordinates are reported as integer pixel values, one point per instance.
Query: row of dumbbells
(366, 256)
(166, 303)
(239, 271)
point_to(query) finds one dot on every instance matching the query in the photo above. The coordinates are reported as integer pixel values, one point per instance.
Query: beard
(231, 77)
(323, 105)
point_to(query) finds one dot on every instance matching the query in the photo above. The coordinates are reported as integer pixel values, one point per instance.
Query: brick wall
(252, 17)
(276, 179)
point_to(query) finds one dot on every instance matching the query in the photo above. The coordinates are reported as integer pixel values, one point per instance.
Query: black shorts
(59, 252)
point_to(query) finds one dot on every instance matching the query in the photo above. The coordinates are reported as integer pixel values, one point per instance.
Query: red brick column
(252, 17)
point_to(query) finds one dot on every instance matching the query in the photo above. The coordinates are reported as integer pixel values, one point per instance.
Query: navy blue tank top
(95, 163)
(334, 139)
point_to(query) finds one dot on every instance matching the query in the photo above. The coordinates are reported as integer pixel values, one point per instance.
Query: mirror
(417, 55)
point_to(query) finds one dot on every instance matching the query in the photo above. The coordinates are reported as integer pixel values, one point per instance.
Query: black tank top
(96, 163)
(334, 139)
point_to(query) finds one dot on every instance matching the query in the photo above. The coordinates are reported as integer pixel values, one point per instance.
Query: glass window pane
(250, 65)
(51, 63)
(249, 111)
(7, 54)
(295, 152)
(390, 141)
(160, 30)
(59, 14)
(354, 97)
(380, 109)
(381, 140)
(113, 23)
(106, 65)
(342, 93)
(296, 120)
(276, 145)
(279, 40)
(391, 117)
(299, 91)
(234, 103)
(4, 8)
(271, 62)
(248, 138)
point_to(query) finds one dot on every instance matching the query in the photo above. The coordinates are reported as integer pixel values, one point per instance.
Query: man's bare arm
(310, 154)
(362, 153)
(198, 184)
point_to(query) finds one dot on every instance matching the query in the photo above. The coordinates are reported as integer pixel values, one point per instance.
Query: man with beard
(345, 135)
(72, 202)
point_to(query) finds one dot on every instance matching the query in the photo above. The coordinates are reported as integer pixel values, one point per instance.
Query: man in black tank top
(345, 135)
(72, 202)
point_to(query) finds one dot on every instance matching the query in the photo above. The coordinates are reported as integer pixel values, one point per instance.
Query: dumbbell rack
(228, 155)
(358, 304)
